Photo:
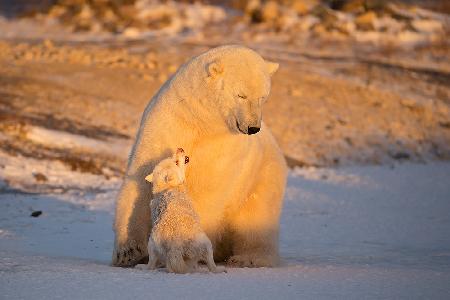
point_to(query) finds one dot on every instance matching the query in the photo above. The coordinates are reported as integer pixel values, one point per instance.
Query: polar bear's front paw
(129, 255)
(252, 261)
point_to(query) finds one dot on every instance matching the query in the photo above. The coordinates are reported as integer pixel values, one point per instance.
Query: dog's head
(170, 172)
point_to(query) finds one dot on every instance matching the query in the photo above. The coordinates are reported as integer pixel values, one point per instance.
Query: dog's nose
(253, 130)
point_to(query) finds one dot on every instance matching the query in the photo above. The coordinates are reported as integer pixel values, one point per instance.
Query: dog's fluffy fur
(176, 239)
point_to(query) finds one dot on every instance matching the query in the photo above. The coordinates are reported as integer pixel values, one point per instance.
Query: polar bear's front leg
(131, 224)
(255, 225)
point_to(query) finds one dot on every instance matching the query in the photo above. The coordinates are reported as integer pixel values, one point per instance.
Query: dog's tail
(175, 262)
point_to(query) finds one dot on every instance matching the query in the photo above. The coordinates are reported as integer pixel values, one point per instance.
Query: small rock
(270, 11)
(28, 55)
(352, 6)
(48, 44)
(426, 26)
(400, 155)
(307, 22)
(132, 32)
(445, 124)
(366, 21)
(39, 177)
(409, 103)
(36, 213)
(302, 7)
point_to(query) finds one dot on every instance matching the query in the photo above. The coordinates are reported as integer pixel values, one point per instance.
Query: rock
(287, 20)
(400, 155)
(86, 12)
(319, 30)
(346, 27)
(303, 7)
(399, 13)
(36, 213)
(410, 38)
(270, 11)
(28, 55)
(39, 177)
(131, 32)
(388, 24)
(327, 16)
(48, 44)
(253, 10)
(427, 26)
(366, 21)
(352, 6)
(307, 22)
(57, 11)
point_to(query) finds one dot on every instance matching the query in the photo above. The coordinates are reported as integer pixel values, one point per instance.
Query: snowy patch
(361, 232)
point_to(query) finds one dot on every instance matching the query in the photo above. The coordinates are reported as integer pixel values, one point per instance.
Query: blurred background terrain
(361, 81)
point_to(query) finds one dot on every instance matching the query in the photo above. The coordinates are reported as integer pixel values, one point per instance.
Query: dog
(176, 239)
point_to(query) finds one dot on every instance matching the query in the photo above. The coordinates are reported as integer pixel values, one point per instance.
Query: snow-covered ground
(350, 233)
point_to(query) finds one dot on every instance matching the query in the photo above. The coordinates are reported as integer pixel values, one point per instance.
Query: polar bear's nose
(253, 130)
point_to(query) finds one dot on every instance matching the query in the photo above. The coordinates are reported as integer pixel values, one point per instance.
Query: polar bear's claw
(129, 256)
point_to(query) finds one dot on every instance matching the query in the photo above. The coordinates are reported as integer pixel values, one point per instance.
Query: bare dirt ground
(330, 104)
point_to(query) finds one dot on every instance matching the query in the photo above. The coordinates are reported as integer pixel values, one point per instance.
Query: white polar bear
(213, 107)
(176, 238)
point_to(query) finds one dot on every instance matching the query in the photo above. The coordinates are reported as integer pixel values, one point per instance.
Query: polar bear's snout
(253, 130)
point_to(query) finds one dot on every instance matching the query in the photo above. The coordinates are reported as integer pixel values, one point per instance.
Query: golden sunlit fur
(176, 239)
(236, 181)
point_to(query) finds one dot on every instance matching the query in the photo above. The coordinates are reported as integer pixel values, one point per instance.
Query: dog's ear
(149, 177)
(272, 67)
(214, 69)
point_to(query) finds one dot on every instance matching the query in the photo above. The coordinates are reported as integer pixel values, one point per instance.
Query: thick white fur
(176, 240)
(236, 181)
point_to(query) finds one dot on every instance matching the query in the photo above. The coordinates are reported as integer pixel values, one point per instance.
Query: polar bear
(176, 238)
(213, 107)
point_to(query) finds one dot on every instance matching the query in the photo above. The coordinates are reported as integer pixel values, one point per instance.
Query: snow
(65, 140)
(373, 232)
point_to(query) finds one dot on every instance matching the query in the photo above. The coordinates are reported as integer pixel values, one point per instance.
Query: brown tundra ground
(330, 104)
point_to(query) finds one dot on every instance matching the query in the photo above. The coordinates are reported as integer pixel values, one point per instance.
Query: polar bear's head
(169, 172)
(239, 81)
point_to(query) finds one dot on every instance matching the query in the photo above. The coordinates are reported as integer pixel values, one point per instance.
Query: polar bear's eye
(242, 96)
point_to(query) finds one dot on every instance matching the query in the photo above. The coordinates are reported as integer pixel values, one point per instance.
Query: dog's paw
(129, 255)
(252, 261)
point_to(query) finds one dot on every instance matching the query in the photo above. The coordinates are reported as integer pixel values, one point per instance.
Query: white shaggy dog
(176, 239)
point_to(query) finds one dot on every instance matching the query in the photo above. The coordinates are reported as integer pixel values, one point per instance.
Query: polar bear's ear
(214, 68)
(149, 177)
(272, 67)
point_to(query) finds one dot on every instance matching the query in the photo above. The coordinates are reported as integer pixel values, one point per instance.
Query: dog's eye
(186, 159)
(176, 162)
(242, 96)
